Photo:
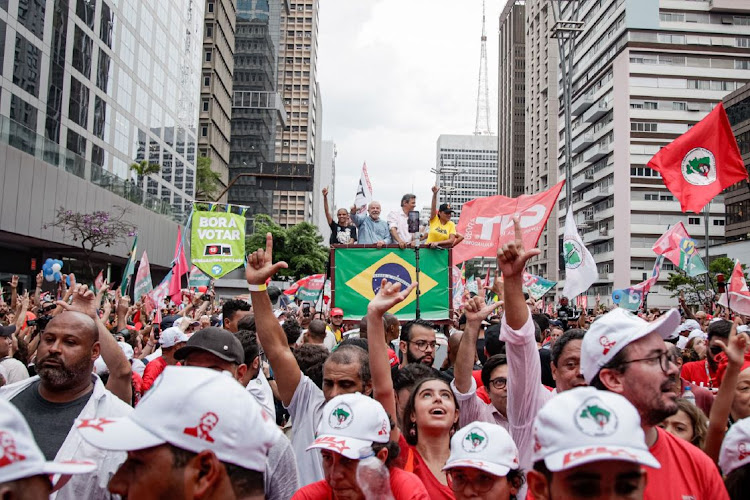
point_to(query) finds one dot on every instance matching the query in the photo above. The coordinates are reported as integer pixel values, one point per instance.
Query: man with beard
(65, 389)
(418, 344)
(372, 229)
(625, 354)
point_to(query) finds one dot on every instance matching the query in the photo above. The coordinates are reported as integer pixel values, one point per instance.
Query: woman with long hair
(689, 423)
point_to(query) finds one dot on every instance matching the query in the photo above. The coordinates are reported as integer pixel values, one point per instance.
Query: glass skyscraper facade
(115, 82)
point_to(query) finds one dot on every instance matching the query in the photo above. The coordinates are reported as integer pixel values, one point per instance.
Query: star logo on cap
(606, 344)
(95, 423)
(8, 453)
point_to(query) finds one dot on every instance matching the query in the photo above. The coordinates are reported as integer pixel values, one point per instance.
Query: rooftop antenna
(482, 126)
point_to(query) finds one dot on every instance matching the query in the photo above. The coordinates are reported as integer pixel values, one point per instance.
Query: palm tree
(145, 168)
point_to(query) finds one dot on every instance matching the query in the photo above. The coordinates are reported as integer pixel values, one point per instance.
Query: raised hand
(388, 296)
(123, 305)
(325, 191)
(435, 189)
(14, 281)
(476, 310)
(39, 280)
(82, 300)
(736, 344)
(260, 264)
(512, 257)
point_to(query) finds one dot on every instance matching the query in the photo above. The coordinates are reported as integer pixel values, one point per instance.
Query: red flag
(487, 278)
(487, 223)
(179, 267)
(737, 297)
(702, 162)
(99, 281)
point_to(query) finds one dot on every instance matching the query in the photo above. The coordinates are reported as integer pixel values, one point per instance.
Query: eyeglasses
(664, 359)
(481, 483)
(422, 345)
(715, 350)
(499, 382)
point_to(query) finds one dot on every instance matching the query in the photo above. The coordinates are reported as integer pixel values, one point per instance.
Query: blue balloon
(49, 272)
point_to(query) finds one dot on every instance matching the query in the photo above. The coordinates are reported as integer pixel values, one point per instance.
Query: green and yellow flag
(358, 272)
(217, 243)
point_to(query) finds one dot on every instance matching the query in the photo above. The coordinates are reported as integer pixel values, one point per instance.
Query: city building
(89, 88)
(540, 160)
(214, 123)
(326, 177)
(511, 117)
(737, 197)
(297, 77)
(644, 73)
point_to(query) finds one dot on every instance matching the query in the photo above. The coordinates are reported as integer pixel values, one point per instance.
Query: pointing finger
(269, 245)
(517, 227)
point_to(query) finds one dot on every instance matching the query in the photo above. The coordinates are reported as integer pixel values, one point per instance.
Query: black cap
(168, 321)
(7, 331)
(219, 342)
(446, 207)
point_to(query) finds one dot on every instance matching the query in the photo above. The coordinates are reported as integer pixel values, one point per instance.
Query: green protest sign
(217, 242)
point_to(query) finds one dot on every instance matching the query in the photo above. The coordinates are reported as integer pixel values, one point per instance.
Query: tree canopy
(207, 182)
(694, 289)
(300, 246)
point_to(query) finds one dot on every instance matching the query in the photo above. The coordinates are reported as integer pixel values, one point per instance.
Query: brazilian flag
(358, 272)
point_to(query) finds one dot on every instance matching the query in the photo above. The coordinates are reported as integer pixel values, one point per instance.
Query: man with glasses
(704, 372)
(418, 344)
(625, 354)
(343, 232)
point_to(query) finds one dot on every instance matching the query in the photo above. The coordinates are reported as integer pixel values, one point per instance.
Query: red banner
(487, 223)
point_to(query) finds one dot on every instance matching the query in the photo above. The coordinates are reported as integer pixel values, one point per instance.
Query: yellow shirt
(439, 231)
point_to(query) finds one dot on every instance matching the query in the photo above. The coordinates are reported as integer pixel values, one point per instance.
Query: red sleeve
(153, 370)
(314, 491)
(407, 486)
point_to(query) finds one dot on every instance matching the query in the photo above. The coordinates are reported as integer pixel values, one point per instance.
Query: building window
(23, 112)
(204, 131)
(205, 104)
(718, 222)
(208, 56)
(209, 30)
(206, 80)
(694, 221)
(82, 50)
(210, 6)
(26, 66)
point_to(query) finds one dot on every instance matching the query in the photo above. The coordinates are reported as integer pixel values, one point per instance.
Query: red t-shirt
(686, 472)
(413, 462)
(151, 372)
(404, 486)
(481, 389)
(392, 357)
(695, 372)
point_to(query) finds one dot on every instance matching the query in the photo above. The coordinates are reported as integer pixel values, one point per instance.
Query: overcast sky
(394, 75)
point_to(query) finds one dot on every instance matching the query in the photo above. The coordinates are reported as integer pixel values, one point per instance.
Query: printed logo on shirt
(743, 451)
(595, 419)
(341, 417)
(208, 421)
(95, 423)
(8, 448)
(475, 441)
(606, 344)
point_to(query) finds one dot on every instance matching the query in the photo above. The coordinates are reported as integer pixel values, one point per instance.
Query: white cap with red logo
(483, 446)
(194, 409)
(610, 333)
(586, 425)
(172, 336)
(735, 450)
(351, 423)
(20, 456)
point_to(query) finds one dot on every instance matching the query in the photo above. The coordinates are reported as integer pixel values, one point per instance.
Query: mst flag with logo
(358, 272)
(308, 289)
(677, 245)
(487, 223)
(143, 283)
(217, 245)
(700, 163)
(580, 267)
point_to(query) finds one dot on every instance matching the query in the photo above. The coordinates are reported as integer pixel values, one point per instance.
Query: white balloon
(56, 267)
(49, 277)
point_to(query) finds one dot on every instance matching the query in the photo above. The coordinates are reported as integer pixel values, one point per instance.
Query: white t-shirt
(306, 410)
(15, 369)
(138, 366)
(261, 390)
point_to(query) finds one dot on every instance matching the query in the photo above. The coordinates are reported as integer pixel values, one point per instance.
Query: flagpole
(705, 222)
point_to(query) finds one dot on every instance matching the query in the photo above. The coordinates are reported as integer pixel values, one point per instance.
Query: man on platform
(398, 222)
(372, 229)
(343, 232)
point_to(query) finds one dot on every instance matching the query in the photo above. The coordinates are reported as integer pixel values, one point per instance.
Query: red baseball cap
(337, 312)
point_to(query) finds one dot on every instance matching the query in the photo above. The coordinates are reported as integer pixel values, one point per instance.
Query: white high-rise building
(644, 73)
(325, 176)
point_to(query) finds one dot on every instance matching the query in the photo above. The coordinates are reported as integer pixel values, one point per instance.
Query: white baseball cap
(735, 450)
(20, 456)
(172, 336)
(351, 423)
(483, 446)
(100, 367)
(610, 333)
(586, 425)
(194, 409)
(689, 325)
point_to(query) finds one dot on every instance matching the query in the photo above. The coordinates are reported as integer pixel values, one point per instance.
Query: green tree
(300, 246)
(207, 182)
(694, 289)
(144, 168)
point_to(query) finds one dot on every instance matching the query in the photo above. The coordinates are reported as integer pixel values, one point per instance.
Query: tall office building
(113, 83)
(511, 117)
(297, 74)
(644, 73)
(214, 127)
(540, 159)
(737, 197)
(467, 169)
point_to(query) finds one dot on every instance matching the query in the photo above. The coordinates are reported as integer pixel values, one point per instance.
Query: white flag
(580, 268)
(364, 191)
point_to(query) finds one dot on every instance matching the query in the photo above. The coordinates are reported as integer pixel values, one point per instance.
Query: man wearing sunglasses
(703, 373)
(625, 354)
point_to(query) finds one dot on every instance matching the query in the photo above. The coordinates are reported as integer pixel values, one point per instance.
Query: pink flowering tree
(94, 230)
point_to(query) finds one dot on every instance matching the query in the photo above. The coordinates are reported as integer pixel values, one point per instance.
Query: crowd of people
(245, 399)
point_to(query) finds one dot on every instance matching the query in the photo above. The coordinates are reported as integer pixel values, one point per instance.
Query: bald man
(65, 389)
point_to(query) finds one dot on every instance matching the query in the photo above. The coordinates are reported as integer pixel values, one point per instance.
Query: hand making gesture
(511, 260)
(83, 301)
(388, 296)
(476, 310)
(260, 264)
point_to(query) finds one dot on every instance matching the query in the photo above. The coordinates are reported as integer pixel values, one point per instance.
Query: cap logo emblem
(383, 428)
(606, 344)
(341, 417)
(595, 419)
(203, 430)
(743, 452)
(475, 441)
(8, 448)
(95, 423)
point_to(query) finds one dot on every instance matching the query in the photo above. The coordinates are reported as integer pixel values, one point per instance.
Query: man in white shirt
(398, 222)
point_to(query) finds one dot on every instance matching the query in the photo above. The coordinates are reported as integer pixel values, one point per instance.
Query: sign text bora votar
(217, 242)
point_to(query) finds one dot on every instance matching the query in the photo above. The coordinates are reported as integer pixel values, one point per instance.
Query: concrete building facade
(737, 197)
(511, 100)
(644, 72)
(325, 177)
(214, 124)
(541, 124)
